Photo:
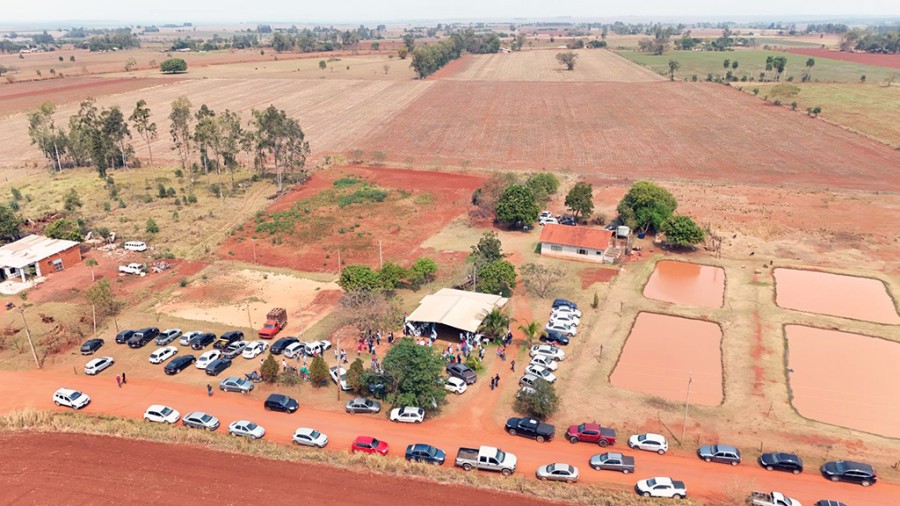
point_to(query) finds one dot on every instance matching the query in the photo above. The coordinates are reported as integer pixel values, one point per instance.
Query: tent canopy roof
(456, 308)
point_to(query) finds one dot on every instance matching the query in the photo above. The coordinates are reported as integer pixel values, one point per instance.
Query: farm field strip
(541, 65)
(891, 61)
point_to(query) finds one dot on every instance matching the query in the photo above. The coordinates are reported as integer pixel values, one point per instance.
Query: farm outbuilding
(458, 309)
(582, 243)
(36, 256)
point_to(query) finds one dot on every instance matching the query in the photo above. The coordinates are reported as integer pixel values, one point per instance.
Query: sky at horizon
(352, 11)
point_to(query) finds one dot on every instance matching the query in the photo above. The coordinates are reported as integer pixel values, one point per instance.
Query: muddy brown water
(836, 295)
(687, 283)
(845, 379)
(663, 353)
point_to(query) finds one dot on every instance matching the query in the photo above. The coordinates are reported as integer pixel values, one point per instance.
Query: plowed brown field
(891, 61)
(541, 65)
(661, 130)
(27, 96)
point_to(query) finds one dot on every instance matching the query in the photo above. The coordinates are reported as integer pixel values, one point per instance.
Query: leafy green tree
(543, 185)
(489, 249)
(390, 275)
(180, 130)
(568, 59)
(355, 377)
(422, 271)
(498, 277)
(810, 63)
(580, 199)
(646, 206)
(173, 66)
(403, 53)
(140, 118)
(495, 324)
(540, 404)
(91, 263)
(71, 200)
(416, 373)
(280, 138)
(66, 229)
(358, 277)
(409, 41)
(674, 66)
(531, 330)
(485, 198)
(517, 204)
(152, 227)
(318, 371)
(51, 140)
(778, 63)
(322, 65)
(681, 231)
(10, 225)
(100, 295)
(269, 369)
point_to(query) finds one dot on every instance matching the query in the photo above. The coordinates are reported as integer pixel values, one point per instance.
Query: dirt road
(705, 481)
(130, 472)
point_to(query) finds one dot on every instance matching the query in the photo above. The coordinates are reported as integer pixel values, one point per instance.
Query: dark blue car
(425, 453)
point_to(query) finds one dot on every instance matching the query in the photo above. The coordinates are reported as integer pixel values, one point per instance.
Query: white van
(135, 246)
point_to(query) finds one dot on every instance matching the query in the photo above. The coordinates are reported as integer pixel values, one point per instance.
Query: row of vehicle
(547, 218)
(563, 323)
(292, 347)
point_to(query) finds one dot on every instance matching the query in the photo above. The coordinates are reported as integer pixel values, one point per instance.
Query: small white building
(578, 243)
(37, 256)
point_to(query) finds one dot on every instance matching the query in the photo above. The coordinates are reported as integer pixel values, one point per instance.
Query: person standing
(391, 338)
(512, 366)
(123, 378)
(497, 380)
(208, 390)
(119, 381)
(492, 384)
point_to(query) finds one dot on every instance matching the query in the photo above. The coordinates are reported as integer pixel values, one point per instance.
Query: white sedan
(565, 319)
(545, 362)
(162, 354)
(334, 377)
(568, 330)
(316, 347)
(560, 310)
(208, 358)
(455, 385)
(246, 428)
(161, 414)
(547, 350)
(98, 364)
(254, 349)
(649, 442)
(309, 437)
(541, 372)
(185, 339)
(661, 487)
(408, 414)
(558, 472)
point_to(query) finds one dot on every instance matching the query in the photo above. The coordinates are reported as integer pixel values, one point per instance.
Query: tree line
(206, 142)
(429, 58)
(885, 40)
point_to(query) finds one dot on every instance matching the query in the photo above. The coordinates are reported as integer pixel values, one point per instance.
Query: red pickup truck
(591, 433)
(275, 322)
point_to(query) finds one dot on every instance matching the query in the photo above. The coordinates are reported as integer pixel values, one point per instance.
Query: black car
(462, 372)
(846, 470)
(827, 502)
(202, 341)
(425, 453)
(554, 337)
(217, 366)
(281, 344)
(781, 462)
(228, 338)
(124, 336)
(568, 221)
(178, 364)
(283, 403)
(530, 428)
(722, 454)
(91, 346)
(141, 338)
(563, 302)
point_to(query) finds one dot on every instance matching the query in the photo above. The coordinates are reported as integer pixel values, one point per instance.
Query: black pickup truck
(530, 428)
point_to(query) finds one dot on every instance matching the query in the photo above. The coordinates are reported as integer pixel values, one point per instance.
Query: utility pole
(28, 334)
(94, 314)
(254, 250)
(686, 397)
(380, 257)
(249, 320)
(339, 261)
(337, 346)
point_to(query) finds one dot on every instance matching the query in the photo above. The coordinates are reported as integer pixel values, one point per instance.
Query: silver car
(235, 384)
(558, 472)
(200, 420)
(167, 336)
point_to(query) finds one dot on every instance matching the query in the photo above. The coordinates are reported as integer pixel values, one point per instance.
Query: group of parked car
(547, 218)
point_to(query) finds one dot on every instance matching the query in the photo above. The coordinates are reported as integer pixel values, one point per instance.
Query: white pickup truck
(771, 499)
(133, 268)
(487, 458)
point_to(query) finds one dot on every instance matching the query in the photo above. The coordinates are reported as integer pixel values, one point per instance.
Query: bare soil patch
(590, 275)
(663, 353)
(27, 96)
(520, 125)
(541, 65)
(844, 379)
(686, 283)
(879, 60)
(835, 294)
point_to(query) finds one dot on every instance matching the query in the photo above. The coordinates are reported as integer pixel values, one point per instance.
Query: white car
(132, 268)
(138, 246)
(294, 350)
(309, 437)
(162, 354)
(545, 214)
(98, 364)
(343, 373)
(312, 348)
(541, 372)
(254, 349)
(562, 328)
(455, 385)
(161, 414)
(208, 358)
(408, 414)
(661, 487)
(558, 472)
(167, 336)
(561, 310)
(649, 442)
(185, 339)
(550, 220)
(547, 350)
(71, 398)
(246, 428)
(566, 319)
(545, 362)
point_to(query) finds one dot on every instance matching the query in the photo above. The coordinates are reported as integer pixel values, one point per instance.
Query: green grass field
(752, 62)
(870, 109)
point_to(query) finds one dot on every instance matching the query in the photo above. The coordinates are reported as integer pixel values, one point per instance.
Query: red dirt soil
(891, 61)
(399, 231)
(19, 97)
(108, 470)
(693, 131)
(590, 276)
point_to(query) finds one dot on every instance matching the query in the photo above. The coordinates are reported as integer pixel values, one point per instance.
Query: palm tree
(90, 262)
(531, 331)
(810, 63)
(673, 66)
(495, 324)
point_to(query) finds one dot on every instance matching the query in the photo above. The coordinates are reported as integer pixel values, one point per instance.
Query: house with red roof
(578, 243)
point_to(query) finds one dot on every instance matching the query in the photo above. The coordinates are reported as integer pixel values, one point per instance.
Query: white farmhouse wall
(561, 251)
